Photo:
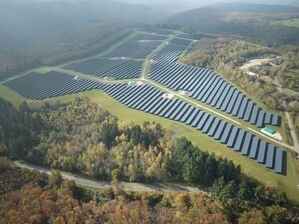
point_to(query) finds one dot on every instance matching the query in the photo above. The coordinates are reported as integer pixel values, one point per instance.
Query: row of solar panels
(206, 86)
(170, 53)
(134, 49)
(150, 100)
(103, 67)
(37, 86)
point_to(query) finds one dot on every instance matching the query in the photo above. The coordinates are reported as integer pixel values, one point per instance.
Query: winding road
(82, 181)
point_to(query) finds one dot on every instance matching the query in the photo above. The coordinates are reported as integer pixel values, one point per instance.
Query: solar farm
(36, 86)
(134, 49)
(114, 68)
(206, 86)
(128, 60)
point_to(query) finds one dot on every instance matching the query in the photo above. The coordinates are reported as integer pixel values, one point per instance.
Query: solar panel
(210, 93)
(232, 138)
(237, 105)
(260, 119)
(262, 152)
(208, 124)
(270, 156)
(142, 98)
(168, 113)
(197, 119)
(152, 103)
(157, 106)
(218, 94)
(268, 117)
(248, 111)
(227, 99)
(187, 114)
(279, 158)
(220, 130)
(240, 140)
(182, 112)
(223, 96)
(247, 142)
(213, 129)
(179, 108)
(166, 109)
(254, 147)
(241, 112)
(254, 114)
(275, 120)
(202, 121)
(232, 102)
(226, 133)
(192, 116)
(151, 98)
(136, 97)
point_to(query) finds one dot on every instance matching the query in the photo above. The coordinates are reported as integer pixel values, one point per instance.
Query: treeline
(81, 137)
(31, 197)
(255, 25)
(40, 199)
(225, 56)
(19, 130)
(12, 178)
(289, 69)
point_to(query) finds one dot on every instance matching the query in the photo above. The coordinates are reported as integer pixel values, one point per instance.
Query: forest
(255, 22)
(226, 55)
(81, 137)
(53, 32)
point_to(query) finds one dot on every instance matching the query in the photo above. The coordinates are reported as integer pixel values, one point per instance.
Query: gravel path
(105, 184)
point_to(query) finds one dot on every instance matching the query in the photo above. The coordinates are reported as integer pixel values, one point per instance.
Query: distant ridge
(253, 21)
(250, 7)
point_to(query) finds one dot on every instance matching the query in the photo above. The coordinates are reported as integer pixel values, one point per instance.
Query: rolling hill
(34, 30)
(254, 21)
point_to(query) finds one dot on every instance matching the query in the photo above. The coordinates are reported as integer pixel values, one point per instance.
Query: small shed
(269, 130)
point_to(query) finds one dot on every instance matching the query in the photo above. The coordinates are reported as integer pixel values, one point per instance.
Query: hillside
(32, 32)
(248, 20)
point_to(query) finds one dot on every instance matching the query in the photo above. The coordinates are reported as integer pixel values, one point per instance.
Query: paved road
(290, 122)
(105, 184)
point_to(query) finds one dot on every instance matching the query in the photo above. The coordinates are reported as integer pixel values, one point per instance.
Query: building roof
(269, 130)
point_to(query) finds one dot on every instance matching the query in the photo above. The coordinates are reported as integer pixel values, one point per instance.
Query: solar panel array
(180, 41)
(206, 86)
(149, 99)
(103, 67)
(37, 86)
(170, 53)
(191, 36)
(158, 31)
(148, 36)
(202, 84)
(134, 49)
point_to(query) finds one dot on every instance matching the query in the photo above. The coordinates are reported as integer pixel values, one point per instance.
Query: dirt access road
(105, 184)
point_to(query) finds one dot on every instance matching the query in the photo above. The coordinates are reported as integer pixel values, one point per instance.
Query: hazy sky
(169, 5)
(195, 3)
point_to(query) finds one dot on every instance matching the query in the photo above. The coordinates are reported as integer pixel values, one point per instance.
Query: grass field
(11, 96)
(288, 22)
(286, 183)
